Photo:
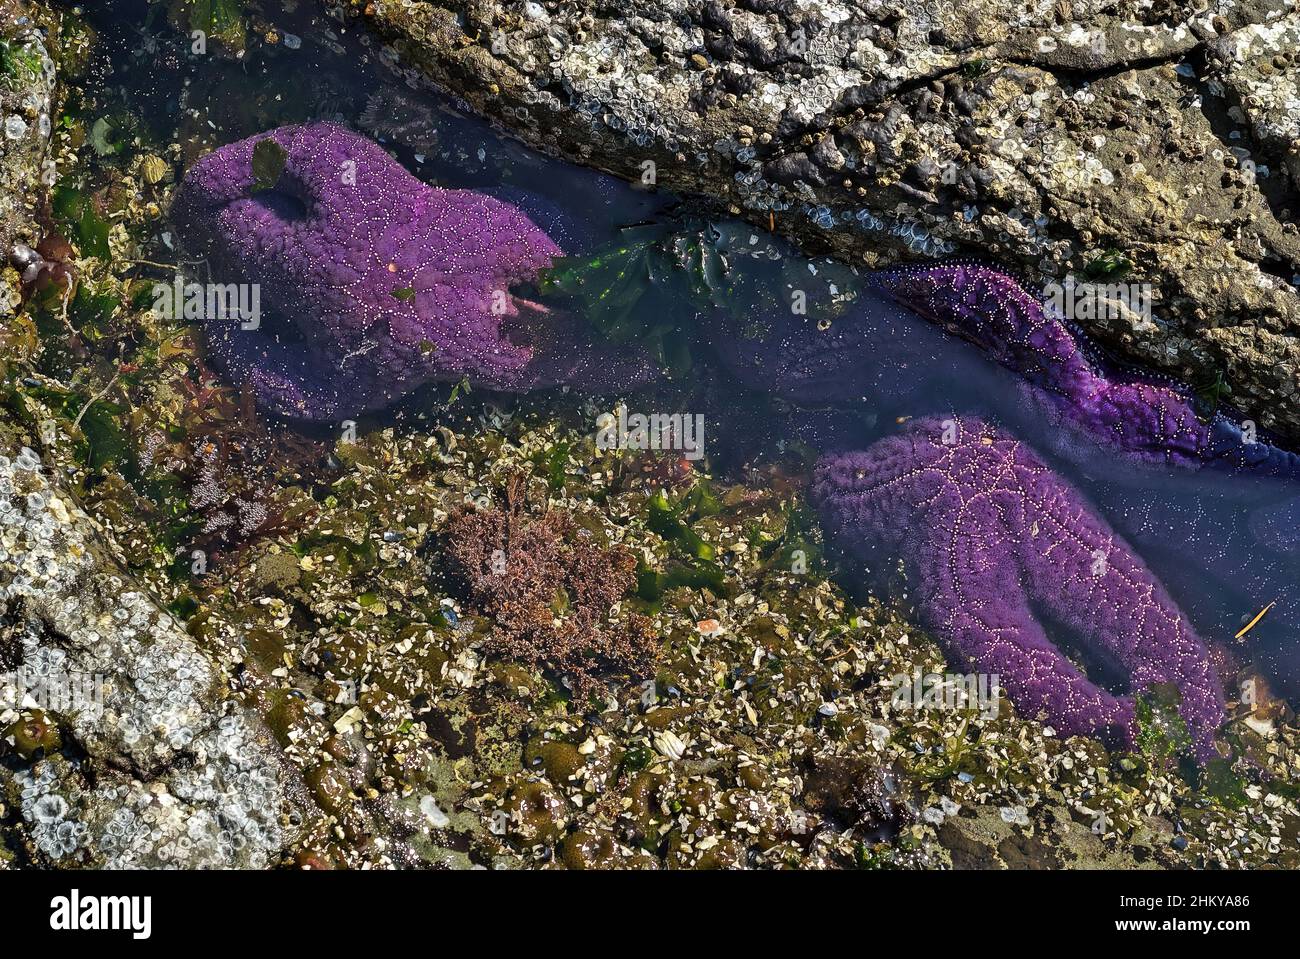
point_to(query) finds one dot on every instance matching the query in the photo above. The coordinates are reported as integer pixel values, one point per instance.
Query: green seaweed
(222, 20)
(269, 160)
(551, 463)
(103, 443)
(623, 288)
(1220, 782)
(17, 63)
(75, 210)
(460, 388)
(1210, 392)
(665, 520)
(1107, 263)
(700, 501)
(608, 288)
(795, 548)
(693, 563)
(651, 585)
(1162, 735)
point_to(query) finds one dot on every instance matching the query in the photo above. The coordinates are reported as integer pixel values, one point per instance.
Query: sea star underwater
(879, 362)
(1142, 420)
(373, 283)
(992, 537)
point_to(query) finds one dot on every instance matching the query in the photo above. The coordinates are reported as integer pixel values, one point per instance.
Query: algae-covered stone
(27, 115)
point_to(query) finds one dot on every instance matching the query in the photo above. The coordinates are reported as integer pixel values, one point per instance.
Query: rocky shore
(298, 648)
(140, 757)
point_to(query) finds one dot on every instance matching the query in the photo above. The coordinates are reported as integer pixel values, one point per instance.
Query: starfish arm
(992, 310)
(1151, 422)
(287, 377)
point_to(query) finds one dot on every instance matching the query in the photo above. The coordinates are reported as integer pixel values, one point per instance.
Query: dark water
(1224, 546)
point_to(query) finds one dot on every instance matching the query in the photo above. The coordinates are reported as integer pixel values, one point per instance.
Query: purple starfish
(372, 283)
(993, 537)
(1145, 421)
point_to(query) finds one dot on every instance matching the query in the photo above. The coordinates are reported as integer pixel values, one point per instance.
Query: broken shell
(153, 168)
(670, 745)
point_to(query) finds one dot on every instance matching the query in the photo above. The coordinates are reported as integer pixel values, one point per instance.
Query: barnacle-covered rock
(27, 103)
(154, 765)
(1260, 69)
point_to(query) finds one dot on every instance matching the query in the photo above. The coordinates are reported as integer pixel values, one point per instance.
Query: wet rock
(855, 793)
(1043, 138)
(1259, 69)
(983, 839)
(27, 108)
(152, 765)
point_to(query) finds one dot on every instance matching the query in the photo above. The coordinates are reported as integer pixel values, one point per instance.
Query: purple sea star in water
(997, 544)
(1142, 420)
(373, 283)
(376, 283)
(994, 538)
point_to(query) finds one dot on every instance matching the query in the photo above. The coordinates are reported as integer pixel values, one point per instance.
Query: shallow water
(1218, 542)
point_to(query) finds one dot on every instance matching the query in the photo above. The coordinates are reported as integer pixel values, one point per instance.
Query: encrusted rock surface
(1048, 135)
(120, 745)
(174, 773)
(27, 102)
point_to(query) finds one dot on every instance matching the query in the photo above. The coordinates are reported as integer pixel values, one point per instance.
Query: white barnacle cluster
(55, 830)
(1266, 87)
(203, 790)
(211, 815)
(915, 236)
(31, 556)
(754, 190)
(918, 239)
(35, 72)
(25, 125)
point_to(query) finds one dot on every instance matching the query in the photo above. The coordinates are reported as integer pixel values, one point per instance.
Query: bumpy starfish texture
(992, 539)
(1147, 421)
(372, 282)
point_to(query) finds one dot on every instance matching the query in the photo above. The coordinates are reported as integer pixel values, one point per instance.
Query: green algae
(76, 211)
(18, 63)
(222, 20)
(269, 159)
